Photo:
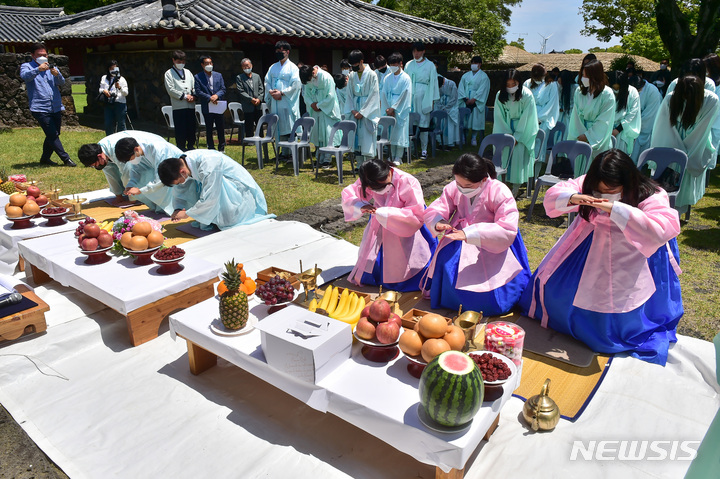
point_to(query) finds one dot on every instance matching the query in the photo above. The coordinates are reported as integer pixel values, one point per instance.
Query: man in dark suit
(210, 88)
(252, 92)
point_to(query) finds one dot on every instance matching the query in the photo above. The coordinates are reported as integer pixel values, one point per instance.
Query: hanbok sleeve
(185, 195)
(114, 178)
(481, 95)
(372, 104)
(498, 235)
(526, 129)
(208, 205)
(326, 95)
(440, 209)
(434, 93)
(558, 196)
(631, 120)
(597, 132)
(501, 117)
(649, 226)
(353, 201)
(548, 104)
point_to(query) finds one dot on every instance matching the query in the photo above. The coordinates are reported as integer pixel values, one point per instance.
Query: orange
(221, 287)
(243, 276)
(249, 285)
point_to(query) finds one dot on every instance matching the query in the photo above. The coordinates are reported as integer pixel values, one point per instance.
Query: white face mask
(346, 72)
(512, 90)
(470, 192)
(179, 66)
(384, 190)
(585, 81)
(608, 196)
(393, 69)
(616, 91)
(115, 70)
(184, 177)
(208, 68)
(474, 67)
(537, 82)
(41, 60)
(663, 67)
(247, 71)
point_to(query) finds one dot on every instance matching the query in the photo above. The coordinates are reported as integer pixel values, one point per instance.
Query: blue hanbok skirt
(645, 332)
(444, 294)
(413, 284)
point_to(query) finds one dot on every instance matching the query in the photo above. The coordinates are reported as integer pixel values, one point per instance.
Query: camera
(112, 97)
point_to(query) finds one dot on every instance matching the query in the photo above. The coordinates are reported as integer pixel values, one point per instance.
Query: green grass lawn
(699, 240)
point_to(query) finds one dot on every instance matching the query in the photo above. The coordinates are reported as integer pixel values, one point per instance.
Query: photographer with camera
(43, 82)
(113, 94)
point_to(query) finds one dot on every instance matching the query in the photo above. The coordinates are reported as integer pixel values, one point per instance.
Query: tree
(573, 50)
(487, 18)
(608, 18)
(519, 43)
(683, 37)
(645, 41)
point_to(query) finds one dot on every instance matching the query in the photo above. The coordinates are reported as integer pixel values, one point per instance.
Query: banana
(342, 304)
(354, 315)
(330, 307)
(313, 305)
(350, 306)
(326, 298)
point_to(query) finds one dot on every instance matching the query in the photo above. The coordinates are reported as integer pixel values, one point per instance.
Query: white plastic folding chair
(167, 114)
(235, 109)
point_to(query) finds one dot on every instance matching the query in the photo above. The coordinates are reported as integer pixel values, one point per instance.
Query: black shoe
(69, 163)
(48, 162)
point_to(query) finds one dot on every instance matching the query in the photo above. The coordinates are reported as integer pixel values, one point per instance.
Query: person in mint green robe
(693, 137)
(282, 90)
(473, 92)
(628, 120)
(213, 189)
(547, 101)
(449, 104)
(516, 114)
(593, 112)
(396, 96)
(650, 101)
(322, 104)
(425, 89)
(363, 105)
(142, 152)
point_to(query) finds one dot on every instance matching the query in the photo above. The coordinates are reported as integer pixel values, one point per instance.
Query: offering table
(9, 239)
(139, 293)
(381, 399)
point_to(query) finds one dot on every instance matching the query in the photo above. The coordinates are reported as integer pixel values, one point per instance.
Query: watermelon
(451, 389)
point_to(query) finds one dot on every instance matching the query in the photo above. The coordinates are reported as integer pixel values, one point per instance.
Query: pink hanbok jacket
(490, 225)
(616, 277)
(395, 226)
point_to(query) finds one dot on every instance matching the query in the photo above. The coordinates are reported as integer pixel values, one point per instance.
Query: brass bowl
(468, 322)
(309, 280)
(392, 297)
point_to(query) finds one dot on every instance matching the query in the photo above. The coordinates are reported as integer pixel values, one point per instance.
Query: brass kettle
(540, 411)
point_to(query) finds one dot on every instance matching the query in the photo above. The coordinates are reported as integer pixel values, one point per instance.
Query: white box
(305, 345)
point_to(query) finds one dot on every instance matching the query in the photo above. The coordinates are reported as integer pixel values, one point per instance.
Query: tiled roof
(22, 24)
(515, 56)
(329, 19)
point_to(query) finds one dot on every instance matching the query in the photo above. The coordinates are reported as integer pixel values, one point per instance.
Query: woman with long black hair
(611, 280)
(627, 114)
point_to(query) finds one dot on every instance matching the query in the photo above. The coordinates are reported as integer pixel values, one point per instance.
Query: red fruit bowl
(143, 257)
(97, 256)
(168, 266)
(21, 222)
(377, 352)
(54, 219)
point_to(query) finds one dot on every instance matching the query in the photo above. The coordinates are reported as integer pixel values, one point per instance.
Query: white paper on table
(217, 108)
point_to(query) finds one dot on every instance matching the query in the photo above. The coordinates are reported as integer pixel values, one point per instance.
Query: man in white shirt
(180, 85)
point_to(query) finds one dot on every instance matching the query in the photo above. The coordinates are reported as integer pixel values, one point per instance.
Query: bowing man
(213, 189)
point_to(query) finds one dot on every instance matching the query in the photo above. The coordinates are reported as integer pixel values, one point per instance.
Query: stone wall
(14, 110)
(145, 71)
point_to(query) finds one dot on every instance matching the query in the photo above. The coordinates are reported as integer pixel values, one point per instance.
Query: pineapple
(233, 302)
(7, 187)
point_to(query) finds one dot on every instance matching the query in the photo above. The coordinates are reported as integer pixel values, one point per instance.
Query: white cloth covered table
(9, 239)
(378, 398)
(119, 283)
(138, 412)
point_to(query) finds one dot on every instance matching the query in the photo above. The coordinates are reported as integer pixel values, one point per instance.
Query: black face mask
(279, 56)
(382, 70)
(355, 68)
(100, 167)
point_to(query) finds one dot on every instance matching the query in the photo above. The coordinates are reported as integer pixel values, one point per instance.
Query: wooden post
(143, 323)
(200, 359)
(39, 276)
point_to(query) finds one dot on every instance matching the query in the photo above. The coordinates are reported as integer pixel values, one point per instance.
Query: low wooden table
(341, 392)
(25, 322)
(139, 293)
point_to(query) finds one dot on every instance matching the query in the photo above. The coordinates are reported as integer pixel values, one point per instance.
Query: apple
(380, 310)
(387, 332)
(91, 230)
(81, 238)
(89, 244)
(394, 318)
(33, 191)
(366, 311)
(364, 329)
(105, 239)
(42, 200)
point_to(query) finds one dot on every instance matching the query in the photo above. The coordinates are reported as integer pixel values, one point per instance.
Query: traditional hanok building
(20, 26)
(141, 35)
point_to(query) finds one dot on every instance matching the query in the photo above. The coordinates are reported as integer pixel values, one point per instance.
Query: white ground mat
(103, 409)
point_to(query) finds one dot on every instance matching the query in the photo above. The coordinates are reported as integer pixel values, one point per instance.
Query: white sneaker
(423, 156)
(473, 142)
(397, 162)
